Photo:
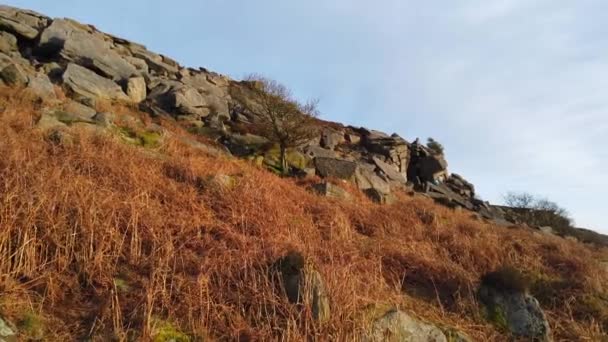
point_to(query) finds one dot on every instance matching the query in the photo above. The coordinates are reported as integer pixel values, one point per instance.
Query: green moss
(121, 285)
(165, 332)
(70, 119)
(32, 325)
(294, 158)
(149, 139)
(496, 315)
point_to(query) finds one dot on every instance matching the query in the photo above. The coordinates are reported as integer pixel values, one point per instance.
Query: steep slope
(119, 222)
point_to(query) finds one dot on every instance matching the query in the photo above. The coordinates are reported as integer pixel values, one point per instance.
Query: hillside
(137, 204)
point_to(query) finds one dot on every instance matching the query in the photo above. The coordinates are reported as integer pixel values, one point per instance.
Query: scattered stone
(330, 190)
(378, 196)
(330, 167)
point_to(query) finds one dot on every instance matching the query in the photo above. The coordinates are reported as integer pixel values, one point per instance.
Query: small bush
(507, 279)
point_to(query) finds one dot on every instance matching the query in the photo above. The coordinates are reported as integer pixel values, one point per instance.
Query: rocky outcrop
(42, 54)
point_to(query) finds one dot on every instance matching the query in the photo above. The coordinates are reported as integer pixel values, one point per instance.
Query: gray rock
(519, 311)
(8, 43)
(13, 75)
(214, 90)
(86, 48)
(366, 178)
(140, 65)
(330, 190)
(7, 332)
(79, 111)
(245, 144)
(331, 138)
(314, 151)
(303, 284)
(379, 197)
(330, 167)
(389, 170)
(155, 61)
(22, 22)
(87, 85)
(41, 86)
(49, 121)
(398, 326)
(136, 89)
(188, 101)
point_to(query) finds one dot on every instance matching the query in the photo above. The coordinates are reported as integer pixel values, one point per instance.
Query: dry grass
(99, 240)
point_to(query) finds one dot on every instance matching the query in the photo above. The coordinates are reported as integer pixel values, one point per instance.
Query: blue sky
(516, 90)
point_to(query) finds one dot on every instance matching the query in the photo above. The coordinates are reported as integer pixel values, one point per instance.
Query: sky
(516, 90)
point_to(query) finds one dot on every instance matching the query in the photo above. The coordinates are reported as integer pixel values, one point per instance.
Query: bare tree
(280, 117)
(538, 211)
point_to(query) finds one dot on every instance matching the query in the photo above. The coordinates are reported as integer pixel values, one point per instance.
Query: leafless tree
(538, 211)
(280, 117)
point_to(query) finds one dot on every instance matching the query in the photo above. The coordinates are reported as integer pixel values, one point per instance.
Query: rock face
(330, 190)
(43, 54)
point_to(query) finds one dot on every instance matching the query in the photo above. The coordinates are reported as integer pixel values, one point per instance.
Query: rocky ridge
(90, 66)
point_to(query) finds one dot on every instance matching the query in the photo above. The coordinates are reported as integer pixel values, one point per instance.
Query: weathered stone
(366, 178)
(136, 89)
(330, 190)
(86, 48)
(140, 65)
(314, 151)
(214, 91)
(352, 138)
(389, 170)
(49, 121)
(22, 22)
(303, 284)
(155, 61)
(13, 75)
(378, 196)
(331, 138)
(79, 111)
(516, 310)
(41, 86)
(88, 85)
(189, 101)
(8, 43)
(330, 167)
(398, 326)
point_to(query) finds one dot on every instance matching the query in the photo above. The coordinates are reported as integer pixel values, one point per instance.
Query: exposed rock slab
(339, 168)
(86, 84)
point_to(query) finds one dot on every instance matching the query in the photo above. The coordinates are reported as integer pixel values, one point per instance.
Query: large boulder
(24, 23)
(304, 285)
(338, 168)
(87, 85)
(13, 75)
(136, 89)
(81, 44)
(155, 62)
(509, 305)
(394, 148)
(41, 86)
